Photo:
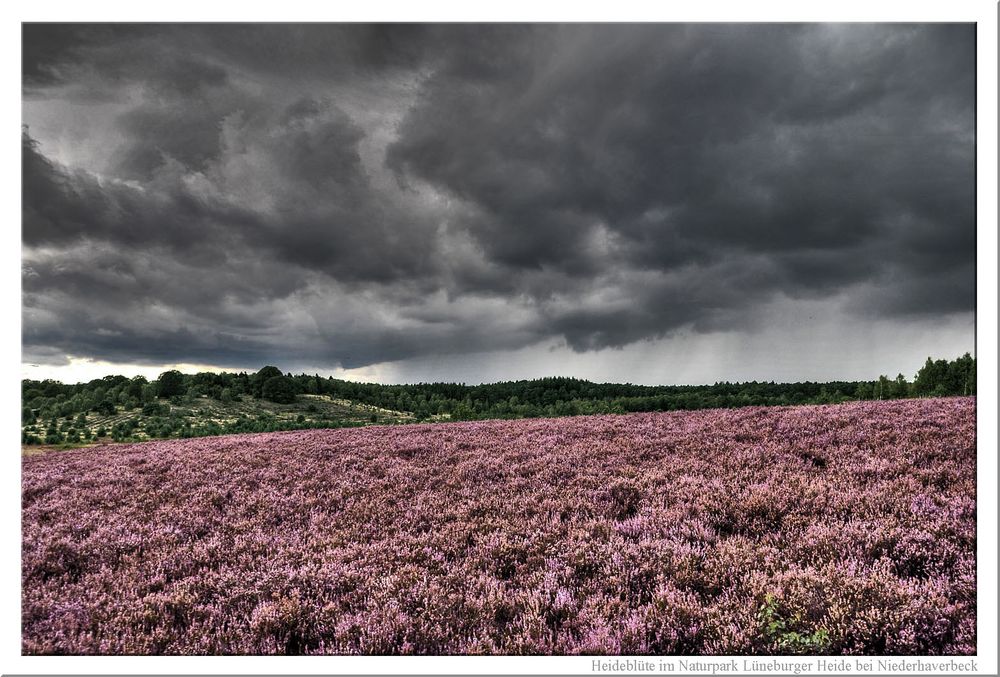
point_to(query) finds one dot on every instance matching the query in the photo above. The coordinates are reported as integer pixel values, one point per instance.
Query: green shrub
(780, 634)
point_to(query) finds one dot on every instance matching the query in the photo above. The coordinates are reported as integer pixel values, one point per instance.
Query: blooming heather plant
(845, 529)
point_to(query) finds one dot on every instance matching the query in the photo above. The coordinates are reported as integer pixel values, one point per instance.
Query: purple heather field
(842, 529)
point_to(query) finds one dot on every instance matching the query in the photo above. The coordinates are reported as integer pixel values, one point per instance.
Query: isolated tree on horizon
(279, 389)
(257, 381)
(170, 383)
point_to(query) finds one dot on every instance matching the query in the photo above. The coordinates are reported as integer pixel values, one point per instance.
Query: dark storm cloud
(807, 144)
(347, 194)
(48, 49)
(61, 206)
(723, 128)
(186, 57)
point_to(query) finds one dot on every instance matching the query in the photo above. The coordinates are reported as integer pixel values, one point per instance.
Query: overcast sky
(648, 203)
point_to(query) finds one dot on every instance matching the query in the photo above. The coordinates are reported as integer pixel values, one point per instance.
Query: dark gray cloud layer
(350, 194)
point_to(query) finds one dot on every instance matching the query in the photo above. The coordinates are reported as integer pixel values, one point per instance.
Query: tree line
(49, 400)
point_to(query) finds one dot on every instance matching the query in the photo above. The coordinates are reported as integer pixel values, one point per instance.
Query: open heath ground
(825, 529)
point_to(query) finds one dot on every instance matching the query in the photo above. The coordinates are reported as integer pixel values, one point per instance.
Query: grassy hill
(203, 415)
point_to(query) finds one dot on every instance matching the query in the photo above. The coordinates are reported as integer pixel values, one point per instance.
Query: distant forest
(44, 403)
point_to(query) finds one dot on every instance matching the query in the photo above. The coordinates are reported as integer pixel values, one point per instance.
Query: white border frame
(983, 12)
